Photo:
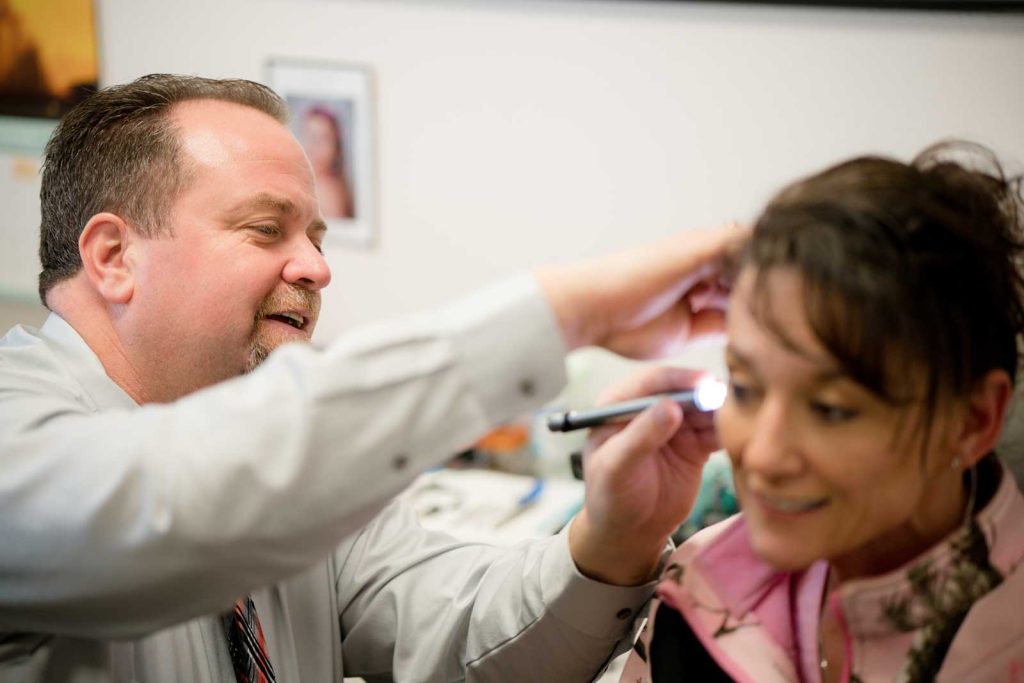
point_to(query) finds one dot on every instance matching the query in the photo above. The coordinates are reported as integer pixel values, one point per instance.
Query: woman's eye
(832, 413)
(740, 393)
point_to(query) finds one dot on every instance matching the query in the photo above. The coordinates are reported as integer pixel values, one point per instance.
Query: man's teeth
(292, 319)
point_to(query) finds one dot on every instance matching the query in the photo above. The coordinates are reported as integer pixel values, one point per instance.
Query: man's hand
(641, 480)
(646, 302)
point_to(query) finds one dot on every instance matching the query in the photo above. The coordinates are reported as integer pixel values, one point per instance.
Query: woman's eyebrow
(827, 373)
(737, 357)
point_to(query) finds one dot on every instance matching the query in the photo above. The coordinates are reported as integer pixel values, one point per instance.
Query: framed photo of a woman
(332, 117)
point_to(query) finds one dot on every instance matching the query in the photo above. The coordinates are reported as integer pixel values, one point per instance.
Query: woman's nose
(771, 446)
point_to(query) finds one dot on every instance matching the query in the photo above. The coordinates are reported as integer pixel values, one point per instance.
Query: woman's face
(320, 141)
(823, 467)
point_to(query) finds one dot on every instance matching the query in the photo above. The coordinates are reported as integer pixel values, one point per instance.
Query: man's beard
(293, 297)
(258, 352)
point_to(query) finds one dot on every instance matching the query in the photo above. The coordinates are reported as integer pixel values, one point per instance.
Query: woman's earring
(954, 464)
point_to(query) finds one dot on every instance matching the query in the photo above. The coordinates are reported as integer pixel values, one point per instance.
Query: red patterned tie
(246, 645)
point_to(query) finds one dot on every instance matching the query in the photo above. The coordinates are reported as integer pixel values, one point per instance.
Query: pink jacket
(760, 625)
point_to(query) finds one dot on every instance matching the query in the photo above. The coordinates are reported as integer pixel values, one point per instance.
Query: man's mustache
(292, 298)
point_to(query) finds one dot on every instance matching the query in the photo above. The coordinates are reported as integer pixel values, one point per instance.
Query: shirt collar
(84, 365)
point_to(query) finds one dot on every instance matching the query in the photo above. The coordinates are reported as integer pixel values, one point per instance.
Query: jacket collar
(929, 579)
(744, 583)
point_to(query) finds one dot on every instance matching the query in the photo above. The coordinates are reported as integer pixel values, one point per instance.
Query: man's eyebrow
(318, 227)
(264, 201)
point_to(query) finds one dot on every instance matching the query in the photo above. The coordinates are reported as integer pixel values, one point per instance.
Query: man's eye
(267, 230)
(831, 413)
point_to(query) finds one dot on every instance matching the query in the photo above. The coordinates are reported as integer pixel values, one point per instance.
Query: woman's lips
(789, 506)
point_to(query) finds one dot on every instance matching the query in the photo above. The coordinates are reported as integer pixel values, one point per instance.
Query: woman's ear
(103, 246)
(983, 418)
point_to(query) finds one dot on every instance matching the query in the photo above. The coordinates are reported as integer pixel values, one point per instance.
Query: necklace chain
(822, 657)
(823, 661)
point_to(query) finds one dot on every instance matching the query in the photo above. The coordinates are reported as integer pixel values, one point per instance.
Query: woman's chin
(786, 557)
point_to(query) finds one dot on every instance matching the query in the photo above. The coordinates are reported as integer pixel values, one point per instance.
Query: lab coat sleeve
(417, 605)
(116, 522)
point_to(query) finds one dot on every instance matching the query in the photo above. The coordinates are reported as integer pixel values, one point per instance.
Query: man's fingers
(650, 381)
(647, 432)
(706, 250)
(707, 323)
(707, 439)
(698, 420)
(711, 293)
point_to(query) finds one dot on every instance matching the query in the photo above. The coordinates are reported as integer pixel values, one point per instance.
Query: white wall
(512, 132)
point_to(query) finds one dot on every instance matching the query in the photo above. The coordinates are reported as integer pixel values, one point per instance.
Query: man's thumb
(650, 430)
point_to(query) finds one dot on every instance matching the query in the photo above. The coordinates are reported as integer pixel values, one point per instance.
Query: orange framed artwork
(48, 56)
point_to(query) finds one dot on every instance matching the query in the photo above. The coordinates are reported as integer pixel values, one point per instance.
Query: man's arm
(117, 522)
(650, 301)
(420, 605)
(642, 478)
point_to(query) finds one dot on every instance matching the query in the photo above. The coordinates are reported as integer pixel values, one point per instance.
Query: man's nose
(307, 267)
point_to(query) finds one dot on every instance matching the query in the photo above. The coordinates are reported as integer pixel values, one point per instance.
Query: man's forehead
(214, 132)
(244, 162)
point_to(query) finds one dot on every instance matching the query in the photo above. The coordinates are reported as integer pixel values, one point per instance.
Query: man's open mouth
(294, 319)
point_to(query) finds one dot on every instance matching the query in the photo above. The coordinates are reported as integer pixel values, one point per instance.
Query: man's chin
(257, 354)
(260, 350)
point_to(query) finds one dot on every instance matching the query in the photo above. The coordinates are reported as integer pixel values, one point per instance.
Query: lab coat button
(623, 613)
(400, 461)
(527, 387)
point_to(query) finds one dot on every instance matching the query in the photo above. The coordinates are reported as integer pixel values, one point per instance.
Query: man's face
(241, 271)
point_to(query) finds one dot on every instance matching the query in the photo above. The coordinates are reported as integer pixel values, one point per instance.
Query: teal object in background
(716, 499)
(23, 135)
(22, 141)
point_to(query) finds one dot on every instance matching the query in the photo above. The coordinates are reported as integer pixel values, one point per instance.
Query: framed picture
(48, 58)
(332, 117)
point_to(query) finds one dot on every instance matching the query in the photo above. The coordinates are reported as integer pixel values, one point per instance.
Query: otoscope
(708, 395)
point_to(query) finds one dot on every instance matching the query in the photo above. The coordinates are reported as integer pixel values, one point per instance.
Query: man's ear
(104, 247)
(983, 418)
